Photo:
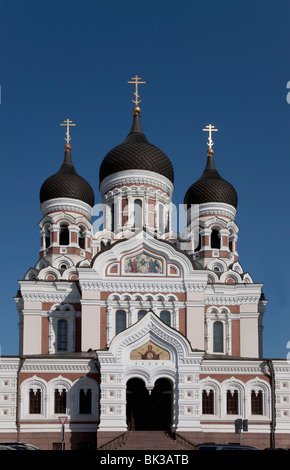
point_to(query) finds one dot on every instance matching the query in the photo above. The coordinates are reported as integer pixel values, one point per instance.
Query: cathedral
(130, 321)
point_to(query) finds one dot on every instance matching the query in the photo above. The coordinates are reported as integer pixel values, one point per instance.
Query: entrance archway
(147, 411)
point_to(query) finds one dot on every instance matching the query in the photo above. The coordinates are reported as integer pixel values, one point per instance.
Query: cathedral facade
(128, 323)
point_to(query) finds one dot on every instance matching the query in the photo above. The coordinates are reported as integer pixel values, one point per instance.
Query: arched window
(64, 235)
(47, 235)
(120, 321)
(218, 337)
(62, 335)
(199, 244)
(232, 402)
(166, 317)
(82, 238)
(138, 214)
(208, 402)
(231, 241)
(167, 222)
(215, 241)
(257, 402)
(85, 403)
(113, 215)
(35, 401)
(161, 218)
(141, 314)
(60, 401)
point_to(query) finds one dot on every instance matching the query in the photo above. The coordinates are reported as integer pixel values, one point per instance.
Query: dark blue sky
(221, 62)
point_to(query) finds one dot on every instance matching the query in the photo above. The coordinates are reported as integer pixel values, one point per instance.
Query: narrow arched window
(218, 337)
(120, 321)
(113, 215)
(62, 335)
(215, 241)
(60, 401)
(256, 402)
(232, 402)
(82, 238)
(198, 247)
(208, 402)
(138, 213)
(166, 317)
(35, 401)
(64, 235)
(141, 314)
(167, 222)
(161, 218)
(85, 401)
(47, 236)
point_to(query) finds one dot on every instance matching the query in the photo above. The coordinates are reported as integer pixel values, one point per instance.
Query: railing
(114, 443)
(176, 437)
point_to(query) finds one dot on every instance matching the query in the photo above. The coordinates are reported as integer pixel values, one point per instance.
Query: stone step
(151, 440)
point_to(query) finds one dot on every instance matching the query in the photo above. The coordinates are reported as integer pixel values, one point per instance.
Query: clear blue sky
(204, 61)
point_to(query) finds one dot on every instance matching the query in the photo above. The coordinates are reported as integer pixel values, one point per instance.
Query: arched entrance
(147, 411)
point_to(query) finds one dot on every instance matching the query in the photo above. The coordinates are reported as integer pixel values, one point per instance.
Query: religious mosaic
(143, 264)
(149, 351)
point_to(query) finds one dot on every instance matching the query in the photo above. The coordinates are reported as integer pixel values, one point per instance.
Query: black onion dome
(211, 187)
(136, 153)
(67, 183)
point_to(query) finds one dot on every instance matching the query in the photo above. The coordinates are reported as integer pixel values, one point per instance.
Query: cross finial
(210, 129)
(136, 81)
(68, 124)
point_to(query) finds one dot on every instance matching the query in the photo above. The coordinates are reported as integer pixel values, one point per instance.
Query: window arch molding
(257, 385)
(84, 383)
(64, 312)
(33, 383)
(233, 385)
(58, 383)
(206, 386)
(223, 315)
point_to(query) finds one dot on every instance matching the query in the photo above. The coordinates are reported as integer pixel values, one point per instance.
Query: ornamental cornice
(50, 297)
(232, 300)
(218, 209)
(133, 177)
(142, 286)
(64, 205)
(233, 369)
(9, 366)
(56, 367)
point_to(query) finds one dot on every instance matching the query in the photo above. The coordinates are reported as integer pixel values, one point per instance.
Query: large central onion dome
(67, 183)
(211, 187)
(136, 153)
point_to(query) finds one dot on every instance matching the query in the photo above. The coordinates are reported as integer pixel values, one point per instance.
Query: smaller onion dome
(211, 187)
(67, 183)
(136, 153)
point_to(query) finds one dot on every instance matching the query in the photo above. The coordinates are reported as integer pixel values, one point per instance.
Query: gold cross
(136, 82)
(68, 124)
(210, 129)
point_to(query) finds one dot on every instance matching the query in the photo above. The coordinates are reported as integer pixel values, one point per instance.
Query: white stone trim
(218, 209)
(135, 177)
(182, 369)
(65, 204)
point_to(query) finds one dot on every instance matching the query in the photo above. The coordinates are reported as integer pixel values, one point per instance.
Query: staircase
(153, 440)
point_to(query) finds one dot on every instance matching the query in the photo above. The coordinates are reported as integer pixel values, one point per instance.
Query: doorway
(149, 411)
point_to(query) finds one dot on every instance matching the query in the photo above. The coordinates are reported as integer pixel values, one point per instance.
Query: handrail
(121, 439)
(174, 435)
